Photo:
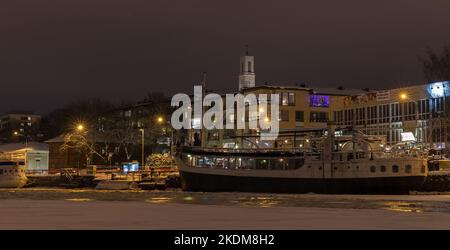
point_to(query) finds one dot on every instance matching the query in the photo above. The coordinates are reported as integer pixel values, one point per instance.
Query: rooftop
(326, 91)
(9, 147)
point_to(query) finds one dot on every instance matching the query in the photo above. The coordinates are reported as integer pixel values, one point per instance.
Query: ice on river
(91, 209)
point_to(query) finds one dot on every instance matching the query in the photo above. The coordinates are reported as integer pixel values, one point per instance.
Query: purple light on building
(319, 101)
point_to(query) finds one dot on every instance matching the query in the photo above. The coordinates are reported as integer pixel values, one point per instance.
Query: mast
(203, 133)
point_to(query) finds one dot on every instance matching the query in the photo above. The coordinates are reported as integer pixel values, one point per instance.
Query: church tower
(247, 72)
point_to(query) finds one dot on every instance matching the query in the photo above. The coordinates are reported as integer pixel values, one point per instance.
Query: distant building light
(437, 89)
(407, 137)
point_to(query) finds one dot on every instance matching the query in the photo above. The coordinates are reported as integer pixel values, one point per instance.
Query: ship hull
(192, 181)
(12, 181)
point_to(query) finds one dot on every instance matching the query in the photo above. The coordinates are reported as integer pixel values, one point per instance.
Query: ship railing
(351, 155)
(36, 172)
(241, 150)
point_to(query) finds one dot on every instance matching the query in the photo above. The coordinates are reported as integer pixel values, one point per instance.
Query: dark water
(400, 203)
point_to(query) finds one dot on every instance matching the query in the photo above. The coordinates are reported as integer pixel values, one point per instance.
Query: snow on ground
(86, 214)
(173, 209)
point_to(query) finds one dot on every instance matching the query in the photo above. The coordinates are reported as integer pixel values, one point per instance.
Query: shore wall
(58, 181)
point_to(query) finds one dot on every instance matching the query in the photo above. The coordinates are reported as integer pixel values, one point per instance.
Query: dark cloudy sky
(55, 51)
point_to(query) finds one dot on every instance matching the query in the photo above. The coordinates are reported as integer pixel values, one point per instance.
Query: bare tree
(436, 66)
(80, 142)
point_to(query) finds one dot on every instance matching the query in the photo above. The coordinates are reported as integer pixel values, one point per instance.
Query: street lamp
(142, 146)
(405, 97)
(80, 127)
(24, 136)
(160, 120)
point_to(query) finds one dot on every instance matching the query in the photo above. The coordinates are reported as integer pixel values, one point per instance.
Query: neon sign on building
(319, 101)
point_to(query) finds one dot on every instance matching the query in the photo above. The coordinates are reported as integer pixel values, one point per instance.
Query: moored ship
(341, 164)
(12, 174)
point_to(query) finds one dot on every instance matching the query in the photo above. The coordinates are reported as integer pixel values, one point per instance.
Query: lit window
(284, 99)
(291, 99)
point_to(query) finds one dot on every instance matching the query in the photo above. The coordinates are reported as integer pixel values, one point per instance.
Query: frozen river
(91, 209)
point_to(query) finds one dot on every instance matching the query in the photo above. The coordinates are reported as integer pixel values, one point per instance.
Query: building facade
(33, 154)
(19, 126)
(421, 110)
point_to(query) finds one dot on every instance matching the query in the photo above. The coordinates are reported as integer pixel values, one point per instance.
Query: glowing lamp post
(142, 146)
(80, 127)
(405, 97)
(15, 133)
(160, 120)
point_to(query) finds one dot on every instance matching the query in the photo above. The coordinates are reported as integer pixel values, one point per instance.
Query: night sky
(56, 51)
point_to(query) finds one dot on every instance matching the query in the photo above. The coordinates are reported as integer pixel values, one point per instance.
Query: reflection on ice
(402, 206)
(79, 199)
(395, 203)
(159, 200)
(255, 201)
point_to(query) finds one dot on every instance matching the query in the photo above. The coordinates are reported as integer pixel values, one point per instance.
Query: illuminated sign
(319, 100)
(438, 89)
(407, 137)
(383, 95)
(130, 167)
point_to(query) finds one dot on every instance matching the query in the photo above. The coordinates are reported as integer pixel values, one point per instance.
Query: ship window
(1, 171)
(349, 156)
(394, 169)
(372, 169)
(408, 169)
(383, 169)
